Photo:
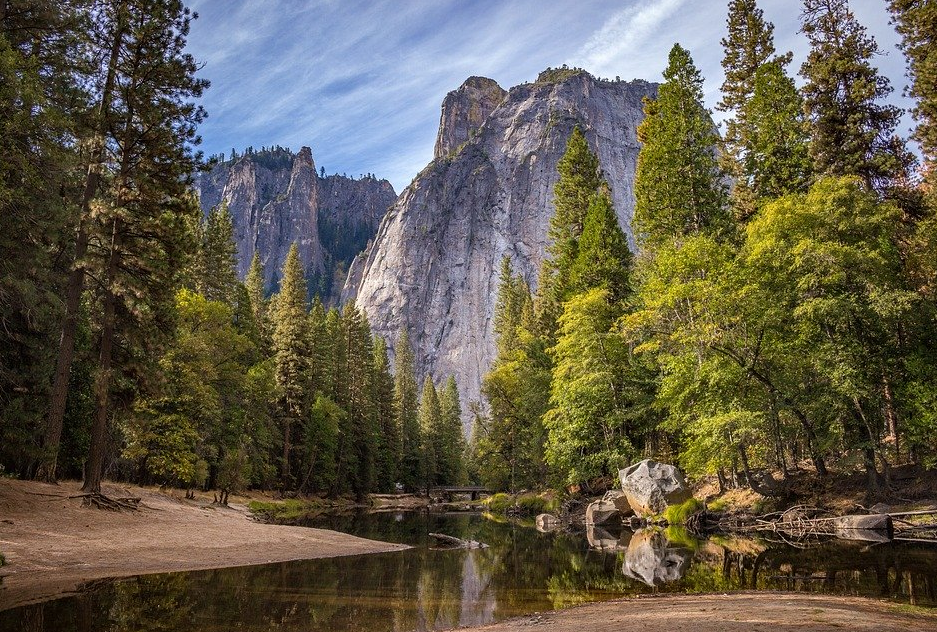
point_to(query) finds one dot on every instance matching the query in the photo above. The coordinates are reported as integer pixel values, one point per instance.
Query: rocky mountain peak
(433, 266)
(463, 112)
(276, 198)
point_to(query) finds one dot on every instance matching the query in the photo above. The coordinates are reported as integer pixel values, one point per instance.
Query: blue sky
(362, 82)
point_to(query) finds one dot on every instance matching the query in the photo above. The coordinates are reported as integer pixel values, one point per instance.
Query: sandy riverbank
(53, 544)
(738, 612)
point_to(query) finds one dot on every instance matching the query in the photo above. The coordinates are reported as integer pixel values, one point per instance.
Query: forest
(130, 349)
(779, 312)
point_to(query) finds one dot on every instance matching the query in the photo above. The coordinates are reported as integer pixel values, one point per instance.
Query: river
(522, 572)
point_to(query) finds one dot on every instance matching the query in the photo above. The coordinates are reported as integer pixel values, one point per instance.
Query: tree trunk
(76, 278)
(102, 383)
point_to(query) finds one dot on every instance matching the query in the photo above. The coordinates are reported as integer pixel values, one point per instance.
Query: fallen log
(457, 543)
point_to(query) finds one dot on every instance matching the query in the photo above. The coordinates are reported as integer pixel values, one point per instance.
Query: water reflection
(523, 571)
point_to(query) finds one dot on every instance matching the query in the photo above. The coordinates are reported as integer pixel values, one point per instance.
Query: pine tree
(452, 441)
(603, 259)
(852, 131)
(291, 352)
(216, 261)
(748, 45)
(916, 21)
(254, 281)
(678, 186)
(382, 397)
(430, 419)
(141, 217)
(362, 432)
(406, 410)
(777, 160)
(39, 56)
(579, 179)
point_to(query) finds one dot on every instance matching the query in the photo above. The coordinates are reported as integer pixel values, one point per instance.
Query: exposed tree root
(100, 501)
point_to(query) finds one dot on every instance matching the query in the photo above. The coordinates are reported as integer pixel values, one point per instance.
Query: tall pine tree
(291, 353)
(406, 410)
(852, 130)
(678, 187)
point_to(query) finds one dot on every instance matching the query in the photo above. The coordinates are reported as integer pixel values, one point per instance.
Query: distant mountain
(433, 266)
(276, 197)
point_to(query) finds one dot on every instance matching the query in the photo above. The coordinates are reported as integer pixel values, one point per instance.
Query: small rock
(547, 523)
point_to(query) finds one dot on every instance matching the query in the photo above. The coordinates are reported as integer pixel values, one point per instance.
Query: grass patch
(678, 514)
(718, 505)
(919, 611)
(290, 509)
(527, 504)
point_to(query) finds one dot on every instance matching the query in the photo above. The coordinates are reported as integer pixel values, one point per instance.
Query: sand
(53, 545)
(737, 612)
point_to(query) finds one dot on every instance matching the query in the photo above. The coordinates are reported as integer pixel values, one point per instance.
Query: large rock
(651, 486)
(614, 505)
(651, 558)
(432, 269)
(276, 197)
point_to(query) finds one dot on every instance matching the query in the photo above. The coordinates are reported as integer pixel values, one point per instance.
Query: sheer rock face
(464, 111)
(433, 267)
(276, 197)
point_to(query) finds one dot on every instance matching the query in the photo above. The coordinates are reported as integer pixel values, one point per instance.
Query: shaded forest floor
(738, 612)
(840, 492)
(53, 544)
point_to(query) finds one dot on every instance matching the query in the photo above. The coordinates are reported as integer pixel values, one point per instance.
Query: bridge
(450, 491)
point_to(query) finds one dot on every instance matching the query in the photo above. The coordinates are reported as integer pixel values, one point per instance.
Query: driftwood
(457, 543)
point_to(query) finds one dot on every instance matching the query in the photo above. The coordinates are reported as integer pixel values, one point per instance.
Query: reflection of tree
(152, 602)
(422, 589)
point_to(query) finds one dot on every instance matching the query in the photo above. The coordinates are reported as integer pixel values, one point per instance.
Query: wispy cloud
(361, 81)
(624, 33)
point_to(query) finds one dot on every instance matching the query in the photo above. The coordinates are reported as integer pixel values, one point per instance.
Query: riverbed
(521, 572)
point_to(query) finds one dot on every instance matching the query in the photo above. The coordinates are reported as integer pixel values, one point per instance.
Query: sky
(361, 82)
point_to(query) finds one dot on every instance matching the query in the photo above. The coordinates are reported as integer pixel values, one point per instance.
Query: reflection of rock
(650, 486)
(652, 559)
(548, 522)
(599, 538)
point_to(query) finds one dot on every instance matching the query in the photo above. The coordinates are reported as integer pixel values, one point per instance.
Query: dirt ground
(53, 544)
(739, 612)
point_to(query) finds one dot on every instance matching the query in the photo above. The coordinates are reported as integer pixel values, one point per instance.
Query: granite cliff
(433, 267)
(276, 197)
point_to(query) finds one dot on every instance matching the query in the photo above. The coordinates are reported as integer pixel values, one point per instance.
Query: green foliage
(916, 22)
(529, 503)
(406, 409)
(215, 264)
(852, 130)
(678, 188)
(678, 514)
(430, 417)
(590, 425)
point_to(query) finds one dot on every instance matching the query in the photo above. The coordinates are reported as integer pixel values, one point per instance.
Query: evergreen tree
(358, 440)
(382, 397)
(38, 53)
(291, 351)
(588, 421)
(579, 179)
(406, 411)
(507, 444)
(777, 160)
(852, 131)
(430, 418)
(449, 459)
(748, 45)
(916, 21)
(216, 261)
(141, 216)
(603, 259)
(678, 186)
(254, 282)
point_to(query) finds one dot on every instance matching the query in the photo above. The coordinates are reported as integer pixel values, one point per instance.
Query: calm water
(523, 571)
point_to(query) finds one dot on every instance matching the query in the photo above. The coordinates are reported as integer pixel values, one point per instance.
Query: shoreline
(725, 612)
(53, 545)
